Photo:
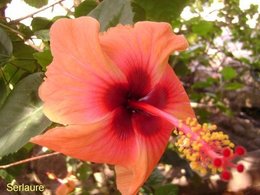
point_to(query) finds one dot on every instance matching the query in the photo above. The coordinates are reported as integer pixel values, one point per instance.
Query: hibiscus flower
(118, 100)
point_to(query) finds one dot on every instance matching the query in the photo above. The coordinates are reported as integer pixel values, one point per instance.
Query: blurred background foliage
(220, 71)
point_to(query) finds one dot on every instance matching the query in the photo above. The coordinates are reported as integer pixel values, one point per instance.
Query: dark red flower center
(128, 118)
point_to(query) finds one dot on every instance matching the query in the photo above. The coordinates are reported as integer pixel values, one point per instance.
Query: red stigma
(226, 152)
(225, 175)
(240, 150)
(217, 162)
(240, 168)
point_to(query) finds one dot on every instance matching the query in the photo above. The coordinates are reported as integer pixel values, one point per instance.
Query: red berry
(225, 175)
(217, 162)
(226, 152)
(240, 150)
(240, 168)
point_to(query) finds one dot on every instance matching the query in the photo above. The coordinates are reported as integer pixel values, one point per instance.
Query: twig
(28, 160)
(36, 12)
(12, 30)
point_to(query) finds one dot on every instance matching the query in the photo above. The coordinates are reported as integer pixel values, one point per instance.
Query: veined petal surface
(100, 142)
(79, 74)
(143, 49)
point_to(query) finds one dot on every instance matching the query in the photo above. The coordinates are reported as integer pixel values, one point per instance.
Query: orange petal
(79, 74)
(99, 142)
(170, 96)
(150, 150)
(146, 46)
(152, 133)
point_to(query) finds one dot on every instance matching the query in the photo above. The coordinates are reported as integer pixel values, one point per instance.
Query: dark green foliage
(23, 57)
(111, 12)
(6, 47)
(85, 7)
(168, 189)
(43, 58)
(36, 3)
(21, 116)
(228, 73)
(158, 10)
(40, 23)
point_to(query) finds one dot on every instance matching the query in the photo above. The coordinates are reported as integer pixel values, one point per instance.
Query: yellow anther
(213, 170)
(231, 145)
(188, 157)
(186, 142)
(206, 138)
(204, 126)
(226, 142)
(196, 128)
(181, 149)
(188, 120)
(193, 122)
(194, 165)
(196, 147)
(213, 127)
(203, 171)
(193, 157)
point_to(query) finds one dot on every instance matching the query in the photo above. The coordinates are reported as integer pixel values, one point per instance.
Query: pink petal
(152, 133)
(170, 96)
(142, 50)
(110, 140)
(149, 152)
(79, 75)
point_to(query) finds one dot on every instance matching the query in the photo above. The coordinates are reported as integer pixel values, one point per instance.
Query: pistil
(205, 148)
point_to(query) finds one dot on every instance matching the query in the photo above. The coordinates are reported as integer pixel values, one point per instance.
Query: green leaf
(156, 178)
(36, 3)
(40, 23)
(111, 12)
(43, 58)
(85, 7)
(43, 34)
(23, 57)
(228, 73)
(158, 10)
(204, 84)
(3, 91)
(181, 68)
(13, 74)
(202, 28)
(6, 47)
(233, 86)
(168, 189)
(21, 117)
(25, 30)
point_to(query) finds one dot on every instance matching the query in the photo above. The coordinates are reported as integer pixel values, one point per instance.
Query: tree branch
(28, 160)
(36, 12)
